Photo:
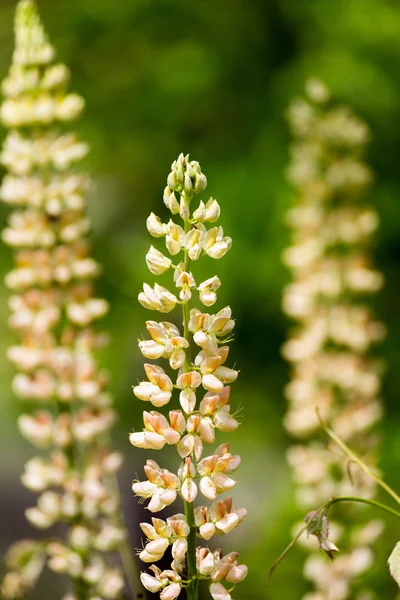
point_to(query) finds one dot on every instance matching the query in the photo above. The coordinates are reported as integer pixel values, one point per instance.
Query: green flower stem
(80, 589)
(324, 508)
(193, 586)
(357, 460)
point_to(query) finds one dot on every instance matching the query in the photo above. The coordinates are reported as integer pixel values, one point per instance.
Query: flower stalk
(54, 313)
(331, 349)
(196, 422)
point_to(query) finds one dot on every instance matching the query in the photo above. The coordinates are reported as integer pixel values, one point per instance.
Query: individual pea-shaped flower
(208, 328)
(158, 390)
(184, 281)
(162, 534)
(213, 472)
(167, 342)
(227, 569)
(214, 373)
(37, 428)
(207, 290)
(170, 200)
(174, 238)
(186, 474)
(198, 429)
(155, 226)
(168, 583)
(157, 298)
(216, 406)
(157, 262)
(215, 244)
(158, 431)
(220, 518)
(207, 212)
(161, 486)
(187, 383)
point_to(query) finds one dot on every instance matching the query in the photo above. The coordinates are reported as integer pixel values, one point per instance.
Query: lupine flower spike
(201, 383)
(331, 348)
(53, 311)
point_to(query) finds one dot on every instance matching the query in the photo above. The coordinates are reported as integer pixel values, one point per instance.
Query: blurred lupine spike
(193, 426)
(31, 42)
(331, 349)
(53, 311)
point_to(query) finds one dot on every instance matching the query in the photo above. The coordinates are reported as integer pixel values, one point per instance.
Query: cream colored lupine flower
(200, 384)
(331, 347)
(53, 311)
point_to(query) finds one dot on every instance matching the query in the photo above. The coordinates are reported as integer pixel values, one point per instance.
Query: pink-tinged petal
(241, 513)
(150, 349)
(156, 504)
(212, 383)
(198, 447)
(144, 489)
(154, 441)
(225, 422)
(200, 515)
(207, 488)
(187, 399)
(167, 497)
(179, 548)
(171, 592)
(144, 390)
(138, 440)
(149, 558)
(149, 531)
(171, 436)
(237, 574)
(189, 490)
(178, 421)
(225, 374)
(207, 530)
(206, 465)
(191, 379)
(185, 446)
(206, 565)
(223, 481)
(227, 523)
(206, 430)
(157, 546)
(233, 463)
(150, 583)
(218, 592)
(155, 421)
(157, 331)
(160, 398)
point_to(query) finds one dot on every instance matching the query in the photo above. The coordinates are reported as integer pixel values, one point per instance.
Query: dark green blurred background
(213, 77)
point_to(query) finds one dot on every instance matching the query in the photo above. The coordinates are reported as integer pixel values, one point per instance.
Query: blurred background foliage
(213, 78)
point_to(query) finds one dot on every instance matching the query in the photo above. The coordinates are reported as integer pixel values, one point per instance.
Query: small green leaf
(394, 564)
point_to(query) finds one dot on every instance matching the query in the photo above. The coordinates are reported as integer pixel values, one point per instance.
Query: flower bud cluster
(53, 311)
(201, 384)
(330, 349)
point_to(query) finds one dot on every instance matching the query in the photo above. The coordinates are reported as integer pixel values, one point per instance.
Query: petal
(150, 583)
(207, 488)
(179, 548)
(237, 574)
(189, 490)
(144, 489)
(212, 383)
(171, 592)
(207, 530)
(218, 592)
(227, 523)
